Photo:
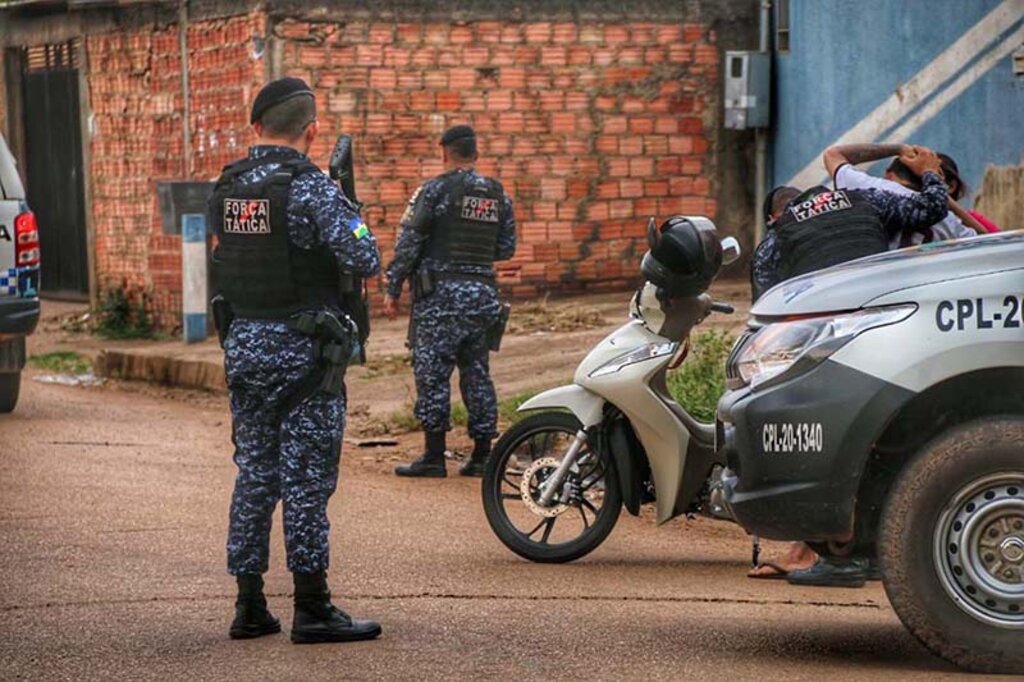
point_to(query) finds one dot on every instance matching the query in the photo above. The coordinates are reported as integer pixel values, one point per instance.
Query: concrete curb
(182, 372)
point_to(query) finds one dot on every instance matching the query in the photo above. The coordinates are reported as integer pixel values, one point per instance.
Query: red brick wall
(135, 96)
(591, 127)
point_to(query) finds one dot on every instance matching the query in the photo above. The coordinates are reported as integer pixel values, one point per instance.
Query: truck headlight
(647, 352)
(789, 348)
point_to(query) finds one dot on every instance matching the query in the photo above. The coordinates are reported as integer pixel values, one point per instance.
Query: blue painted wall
(847, 57)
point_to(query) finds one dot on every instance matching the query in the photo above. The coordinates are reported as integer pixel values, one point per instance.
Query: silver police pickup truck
(19, 278)
(877, 409)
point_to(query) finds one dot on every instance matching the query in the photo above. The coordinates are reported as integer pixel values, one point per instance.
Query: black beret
(454, 133)
(275, 92)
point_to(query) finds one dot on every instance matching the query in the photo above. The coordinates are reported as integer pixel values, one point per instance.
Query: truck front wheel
(952, 545)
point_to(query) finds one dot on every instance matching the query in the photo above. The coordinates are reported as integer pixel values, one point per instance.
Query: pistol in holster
(223, 315)
(497, 330)
(422, 284)
(334, 343)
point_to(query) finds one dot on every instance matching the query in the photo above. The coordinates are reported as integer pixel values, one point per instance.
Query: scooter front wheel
(584, 509)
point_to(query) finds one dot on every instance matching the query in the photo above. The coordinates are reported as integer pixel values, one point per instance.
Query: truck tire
(10, 386)
(951, 543)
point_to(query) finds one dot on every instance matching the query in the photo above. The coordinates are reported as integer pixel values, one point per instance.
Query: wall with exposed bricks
(591, 127)
(594, 116)
(136, 100)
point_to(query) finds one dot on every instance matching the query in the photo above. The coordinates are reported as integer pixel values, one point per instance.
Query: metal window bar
(50, 57)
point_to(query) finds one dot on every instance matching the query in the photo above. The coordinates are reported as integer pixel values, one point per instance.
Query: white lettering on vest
(247, 216)
(480, 209)
(826, 202)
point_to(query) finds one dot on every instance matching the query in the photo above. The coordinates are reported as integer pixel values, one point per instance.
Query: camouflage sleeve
(765, 266)
(914, 212)
(339, 226)
(411, 238)
(506, 230)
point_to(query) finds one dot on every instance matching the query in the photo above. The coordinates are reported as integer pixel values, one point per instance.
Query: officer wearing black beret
(286, 233)
(455, 227)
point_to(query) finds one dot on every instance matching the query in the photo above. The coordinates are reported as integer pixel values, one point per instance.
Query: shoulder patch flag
(359, 228)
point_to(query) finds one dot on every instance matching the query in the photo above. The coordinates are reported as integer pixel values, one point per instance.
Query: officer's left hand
(390, 307)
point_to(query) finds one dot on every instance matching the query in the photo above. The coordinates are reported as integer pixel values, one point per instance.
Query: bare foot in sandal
(799, 557)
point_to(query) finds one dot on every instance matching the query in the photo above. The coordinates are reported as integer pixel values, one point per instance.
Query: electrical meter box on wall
(747, 88)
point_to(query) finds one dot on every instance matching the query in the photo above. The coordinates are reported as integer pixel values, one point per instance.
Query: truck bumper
(796, 451)
(18, 317)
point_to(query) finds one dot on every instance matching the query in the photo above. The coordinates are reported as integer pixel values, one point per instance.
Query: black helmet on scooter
(685, 255)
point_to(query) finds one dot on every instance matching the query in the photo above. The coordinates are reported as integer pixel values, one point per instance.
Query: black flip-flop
(779, 572)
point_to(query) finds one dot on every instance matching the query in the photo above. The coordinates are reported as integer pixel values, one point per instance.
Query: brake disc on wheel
(526, 491)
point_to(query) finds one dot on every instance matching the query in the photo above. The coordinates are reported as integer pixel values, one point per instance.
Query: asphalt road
(112, 524)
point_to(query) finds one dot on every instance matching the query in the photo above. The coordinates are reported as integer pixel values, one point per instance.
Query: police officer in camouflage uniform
(285, 235)
(454, 229)
(819, 228)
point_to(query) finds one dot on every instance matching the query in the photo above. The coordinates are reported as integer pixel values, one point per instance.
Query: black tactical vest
(822, 228)
(255, 267)
(468, 233)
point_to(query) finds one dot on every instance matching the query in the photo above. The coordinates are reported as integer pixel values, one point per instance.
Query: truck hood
(857, 283)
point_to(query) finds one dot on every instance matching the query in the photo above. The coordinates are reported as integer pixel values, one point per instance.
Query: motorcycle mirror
(652, 233)
(730, 250)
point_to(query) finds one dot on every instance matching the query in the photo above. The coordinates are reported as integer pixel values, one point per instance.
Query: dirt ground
(113, 527)
(546, 341)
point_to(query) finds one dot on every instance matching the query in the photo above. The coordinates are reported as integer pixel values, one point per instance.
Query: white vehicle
(19, 278)
(877, 409)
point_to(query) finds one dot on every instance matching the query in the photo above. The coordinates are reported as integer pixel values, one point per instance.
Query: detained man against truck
(841, 162)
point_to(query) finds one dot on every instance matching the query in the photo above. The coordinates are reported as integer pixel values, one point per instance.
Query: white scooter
(556, 481)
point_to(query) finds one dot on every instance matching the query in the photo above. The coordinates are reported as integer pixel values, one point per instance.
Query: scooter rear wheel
(586, 507)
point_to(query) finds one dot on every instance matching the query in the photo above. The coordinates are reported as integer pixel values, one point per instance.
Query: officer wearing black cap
(285, 234)
(454, 229)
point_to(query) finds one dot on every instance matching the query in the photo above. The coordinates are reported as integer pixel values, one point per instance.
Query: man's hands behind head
(921, 160)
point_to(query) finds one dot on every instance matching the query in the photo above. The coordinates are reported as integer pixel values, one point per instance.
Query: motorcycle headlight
(651, 350)
(789, 348)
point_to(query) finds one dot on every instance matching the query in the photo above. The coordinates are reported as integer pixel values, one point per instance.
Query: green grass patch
(508, 413)
(700, 382)
(404, 420)
(62, 362)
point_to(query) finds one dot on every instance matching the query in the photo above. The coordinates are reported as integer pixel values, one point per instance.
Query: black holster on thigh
(334, 340)
(497, 330)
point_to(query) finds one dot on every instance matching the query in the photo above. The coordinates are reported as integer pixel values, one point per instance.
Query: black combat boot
(474, 466)
(431, 463)
(252, 619)
(317, 620)
(832, 572)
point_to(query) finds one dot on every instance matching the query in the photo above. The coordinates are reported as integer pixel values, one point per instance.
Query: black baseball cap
(277, 91)
(459, 132)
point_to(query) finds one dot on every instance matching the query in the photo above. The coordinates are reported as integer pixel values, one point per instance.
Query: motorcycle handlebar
(724, 308)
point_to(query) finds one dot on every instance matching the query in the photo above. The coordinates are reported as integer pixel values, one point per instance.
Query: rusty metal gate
(53, 151)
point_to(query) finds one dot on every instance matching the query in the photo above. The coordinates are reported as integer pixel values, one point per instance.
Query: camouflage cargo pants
(292, 458)
(440, 345)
